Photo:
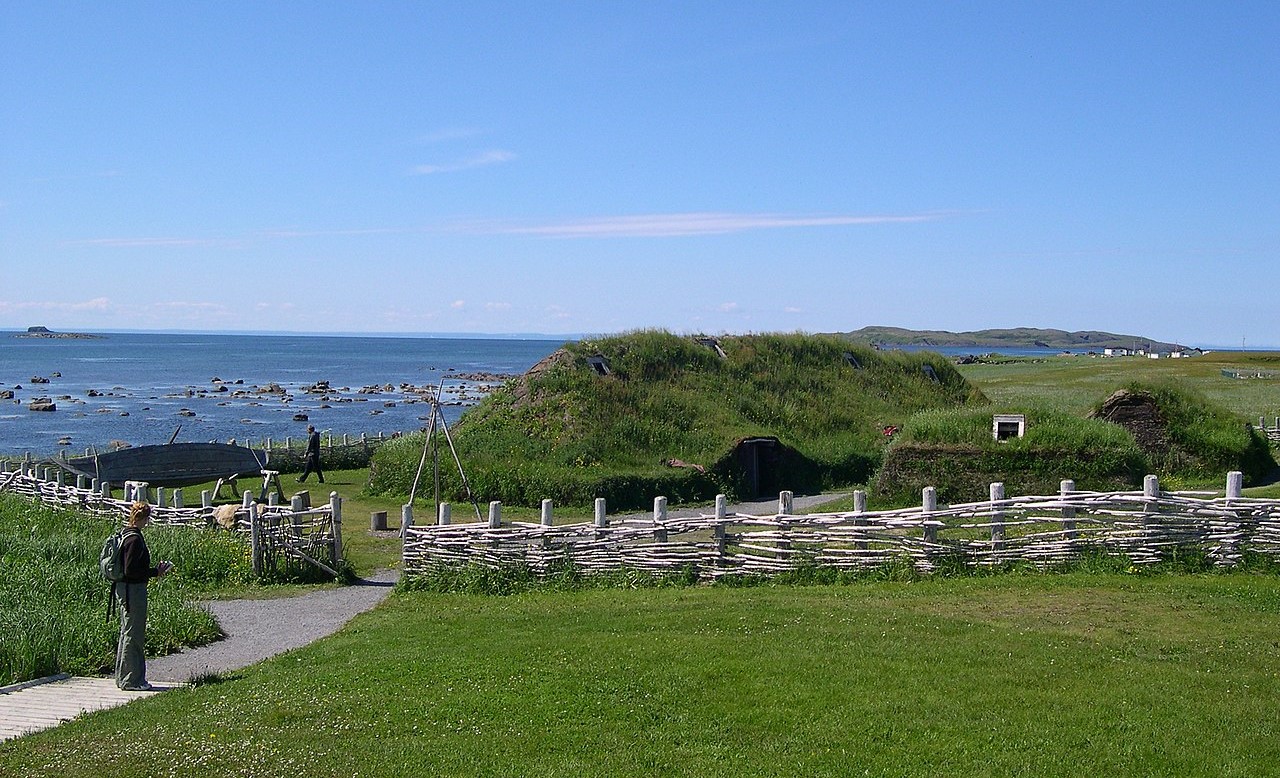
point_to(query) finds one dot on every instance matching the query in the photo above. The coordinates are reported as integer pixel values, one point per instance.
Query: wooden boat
(172, 464)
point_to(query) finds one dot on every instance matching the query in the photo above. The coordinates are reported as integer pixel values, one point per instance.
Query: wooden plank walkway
(47, 702)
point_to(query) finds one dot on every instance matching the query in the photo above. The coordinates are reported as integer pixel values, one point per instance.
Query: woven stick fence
(277, 534)
(1144, 526)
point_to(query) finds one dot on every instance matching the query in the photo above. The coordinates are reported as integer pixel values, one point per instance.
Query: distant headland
(1018, 337)
(45, 332)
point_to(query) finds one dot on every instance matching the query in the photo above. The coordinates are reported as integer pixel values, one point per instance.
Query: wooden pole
(929, 506)
(335, 508)
(1065, 488)
(997, 516)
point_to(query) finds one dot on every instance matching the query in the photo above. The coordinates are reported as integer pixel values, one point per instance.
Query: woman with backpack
(131, 595)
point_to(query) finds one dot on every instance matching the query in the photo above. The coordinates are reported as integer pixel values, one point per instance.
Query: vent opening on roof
(599, 364)
(710, 343)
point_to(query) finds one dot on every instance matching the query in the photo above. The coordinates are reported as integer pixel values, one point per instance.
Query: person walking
(131, 596)
(312, 463)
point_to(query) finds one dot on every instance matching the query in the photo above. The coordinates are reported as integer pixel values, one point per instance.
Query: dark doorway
(758, 460)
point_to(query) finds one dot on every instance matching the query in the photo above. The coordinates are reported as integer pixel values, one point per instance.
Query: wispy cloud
(170, 242)
(483, 159)
(669, 225)
(458, 305)
(728, 307)
(96, 304)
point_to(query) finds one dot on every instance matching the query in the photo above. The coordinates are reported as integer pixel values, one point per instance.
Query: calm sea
(150, 384)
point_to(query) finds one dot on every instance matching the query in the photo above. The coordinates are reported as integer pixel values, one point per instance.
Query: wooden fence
(277, 534)
(1144, 526)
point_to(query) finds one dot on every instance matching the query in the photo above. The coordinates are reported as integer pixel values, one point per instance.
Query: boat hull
(171, 465)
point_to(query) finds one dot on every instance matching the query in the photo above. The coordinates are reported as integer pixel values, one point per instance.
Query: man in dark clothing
(312, 463)
(131, 596)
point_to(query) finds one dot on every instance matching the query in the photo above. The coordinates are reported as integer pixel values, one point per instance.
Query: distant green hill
(1018, 337)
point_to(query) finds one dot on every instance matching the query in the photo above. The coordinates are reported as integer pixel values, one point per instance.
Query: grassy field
(1008, 675)
(1019, 674)
(1075, 383)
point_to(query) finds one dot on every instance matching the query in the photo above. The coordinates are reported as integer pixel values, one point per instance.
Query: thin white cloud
(497, 306)
(792, 309)
(483, 159)
(728, 307)
(96, 304)
(643, 226)
(458, 305)
(134, 243)
(667, 225)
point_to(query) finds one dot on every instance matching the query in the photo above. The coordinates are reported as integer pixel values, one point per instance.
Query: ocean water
(152, 384)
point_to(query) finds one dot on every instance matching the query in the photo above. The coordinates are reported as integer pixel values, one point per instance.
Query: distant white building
(1115, 352)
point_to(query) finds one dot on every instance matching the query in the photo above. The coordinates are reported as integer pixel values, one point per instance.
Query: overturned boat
(172, 464)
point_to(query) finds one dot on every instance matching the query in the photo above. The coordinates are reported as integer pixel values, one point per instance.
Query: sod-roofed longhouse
(1167, 430)
(650, 413)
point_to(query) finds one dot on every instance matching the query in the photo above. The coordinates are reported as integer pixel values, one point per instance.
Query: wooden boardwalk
(47, 702)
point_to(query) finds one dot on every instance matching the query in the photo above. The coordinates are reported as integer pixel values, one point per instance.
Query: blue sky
(603, 166)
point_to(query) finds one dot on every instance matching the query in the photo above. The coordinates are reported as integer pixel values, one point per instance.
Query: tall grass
(53, 602)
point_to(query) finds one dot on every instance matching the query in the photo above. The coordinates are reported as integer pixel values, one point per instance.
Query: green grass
(1074, 384)
(1005, 675)
(53, 600)
(572, 435)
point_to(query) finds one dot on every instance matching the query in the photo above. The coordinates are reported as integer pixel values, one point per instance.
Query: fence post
(297, 504)
(997, 516)
(248, 499)
(859, 508)
(179, 499)
(444, 514)
(206, 498)
(785, 501)
(160, 497)
(495, 514)
(406, 519)
(1150, 497)
(1065, 488)
(546, 517)
(722, 510)
(929, 506)
(335, 507)
(1235, 484)
(255, 537)
(601, 516)
(659, 519)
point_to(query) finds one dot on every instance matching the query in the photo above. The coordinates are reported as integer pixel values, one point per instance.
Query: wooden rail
(1043, 531)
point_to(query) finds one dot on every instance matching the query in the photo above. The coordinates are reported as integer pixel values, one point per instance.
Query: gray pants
(131, 652)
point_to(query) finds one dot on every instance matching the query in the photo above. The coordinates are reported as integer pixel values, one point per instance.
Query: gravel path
(258, 629)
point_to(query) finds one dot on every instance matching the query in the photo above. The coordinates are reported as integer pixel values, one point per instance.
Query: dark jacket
(136, 557)
(313, 446)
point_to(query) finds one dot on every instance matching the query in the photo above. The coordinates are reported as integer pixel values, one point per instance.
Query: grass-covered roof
(606, 416)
